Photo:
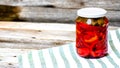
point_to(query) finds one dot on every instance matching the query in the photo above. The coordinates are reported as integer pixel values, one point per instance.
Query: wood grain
(9, 57)
(17, 38)
(39, 14)
(35, 35)
(58, 10)
(107, 4)
(22, 35)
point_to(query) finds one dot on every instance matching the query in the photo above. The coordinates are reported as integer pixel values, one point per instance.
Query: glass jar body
(91, 37)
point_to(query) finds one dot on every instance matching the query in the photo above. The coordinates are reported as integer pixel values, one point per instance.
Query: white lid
(91, 12)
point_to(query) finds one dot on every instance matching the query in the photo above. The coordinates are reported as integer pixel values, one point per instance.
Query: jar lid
(91, 12)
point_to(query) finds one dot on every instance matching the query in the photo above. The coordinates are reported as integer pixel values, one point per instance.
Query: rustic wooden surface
(20, 37)
(62, 10)
(17, 38)
(108, 4)
(58, 14)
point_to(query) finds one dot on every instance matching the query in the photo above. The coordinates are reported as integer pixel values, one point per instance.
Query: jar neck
(101, 21)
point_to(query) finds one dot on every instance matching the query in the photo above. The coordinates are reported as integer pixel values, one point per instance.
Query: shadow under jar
(91, 32)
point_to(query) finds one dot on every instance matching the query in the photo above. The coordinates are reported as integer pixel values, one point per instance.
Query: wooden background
(61, 11)
(43, 24)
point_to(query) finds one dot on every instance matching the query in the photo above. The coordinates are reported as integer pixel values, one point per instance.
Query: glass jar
(91, 32)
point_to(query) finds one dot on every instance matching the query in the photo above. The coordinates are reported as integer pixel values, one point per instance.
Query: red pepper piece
(83, 52)
(91, 39)
(98, 53)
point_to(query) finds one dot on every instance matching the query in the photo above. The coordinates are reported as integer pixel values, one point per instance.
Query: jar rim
(91, 12)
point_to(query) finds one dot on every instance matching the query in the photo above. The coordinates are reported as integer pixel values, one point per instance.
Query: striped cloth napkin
(66, 57)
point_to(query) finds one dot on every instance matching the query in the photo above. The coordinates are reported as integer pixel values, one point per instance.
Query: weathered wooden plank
(35, 35)
(47, 14)
(54, 10)
(9, 57)
(37, 26)
(108, 4)
(32, 39)
(57, 15)
(29, 35)
(22, 35)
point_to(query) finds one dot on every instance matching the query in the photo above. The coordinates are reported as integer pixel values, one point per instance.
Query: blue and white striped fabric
(66, 57)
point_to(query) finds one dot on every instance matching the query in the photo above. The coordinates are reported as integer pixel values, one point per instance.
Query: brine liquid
(91, 41)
